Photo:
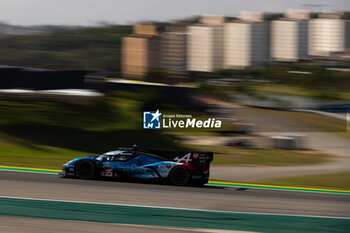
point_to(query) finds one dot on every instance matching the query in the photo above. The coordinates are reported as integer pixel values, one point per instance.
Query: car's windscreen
(109, 154)
(115, 156)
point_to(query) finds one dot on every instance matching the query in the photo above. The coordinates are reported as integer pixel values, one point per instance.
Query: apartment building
(141, 51)
(174, 50)
(289, 36)
(246, 41)
(205, 44)
(328, 33)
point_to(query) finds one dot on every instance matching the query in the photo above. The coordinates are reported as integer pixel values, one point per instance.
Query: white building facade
(289, 40)
(327, 35)
(204, 48)
(246, 44)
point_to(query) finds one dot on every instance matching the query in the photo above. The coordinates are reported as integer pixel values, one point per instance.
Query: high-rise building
(205, 44)
(328, 34)
(246, 41)
(174, 50)
(289, 36)
(212, 19)
(141, 51)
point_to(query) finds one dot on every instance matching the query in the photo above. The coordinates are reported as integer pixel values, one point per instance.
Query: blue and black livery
(178, 168)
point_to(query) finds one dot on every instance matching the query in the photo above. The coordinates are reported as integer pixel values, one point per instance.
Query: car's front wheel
(85, 169)
(179, 176)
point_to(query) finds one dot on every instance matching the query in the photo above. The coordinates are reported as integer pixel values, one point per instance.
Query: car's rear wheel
(85, 169)
(179, 176)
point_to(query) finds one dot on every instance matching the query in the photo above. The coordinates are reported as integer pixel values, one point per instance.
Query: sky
(89, 12)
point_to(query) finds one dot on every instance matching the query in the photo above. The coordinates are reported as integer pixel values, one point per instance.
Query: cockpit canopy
(117, 155)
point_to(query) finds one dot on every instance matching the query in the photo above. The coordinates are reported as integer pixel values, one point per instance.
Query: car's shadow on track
(161, 183)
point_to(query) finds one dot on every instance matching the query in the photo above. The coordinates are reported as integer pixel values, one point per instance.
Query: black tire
(85, 169)
(179, 176)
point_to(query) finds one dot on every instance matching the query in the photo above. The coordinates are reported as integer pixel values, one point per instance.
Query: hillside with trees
(86, 48)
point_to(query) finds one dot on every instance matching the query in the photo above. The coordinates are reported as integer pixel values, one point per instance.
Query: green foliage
(225, 155)
(115, 121)
(221, 92)
(242, 88)
(157, 75)
(317, 76)
(339, 180)
(47, 134)
(93, 48)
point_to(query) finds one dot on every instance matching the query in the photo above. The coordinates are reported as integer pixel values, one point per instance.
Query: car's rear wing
(193, 158)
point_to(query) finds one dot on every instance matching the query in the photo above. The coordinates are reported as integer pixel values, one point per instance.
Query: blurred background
(75, 77)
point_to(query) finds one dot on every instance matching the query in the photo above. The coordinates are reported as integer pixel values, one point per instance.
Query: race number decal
(108, 172)
(185, 159)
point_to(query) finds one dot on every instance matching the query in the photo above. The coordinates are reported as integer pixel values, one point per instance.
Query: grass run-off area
(339, 180)
(47, 134)
(226, 156)
(18, 152)
(300, 91)
(313, 121)
(21, 152)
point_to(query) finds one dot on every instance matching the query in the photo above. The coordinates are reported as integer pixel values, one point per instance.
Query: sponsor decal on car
(107, 171)
(133, 170)
(184, 159)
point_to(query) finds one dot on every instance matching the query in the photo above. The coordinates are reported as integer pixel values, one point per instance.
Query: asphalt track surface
(49, 186)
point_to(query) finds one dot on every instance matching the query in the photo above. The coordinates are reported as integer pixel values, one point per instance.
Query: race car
(178, 168)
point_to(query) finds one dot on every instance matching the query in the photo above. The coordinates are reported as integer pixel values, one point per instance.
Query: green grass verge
(339, 180)
(300, 91)
(47, 134)
(224, 155)
(21, 152)
(315, 121)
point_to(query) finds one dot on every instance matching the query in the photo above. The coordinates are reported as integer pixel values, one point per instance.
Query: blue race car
(178, 168)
